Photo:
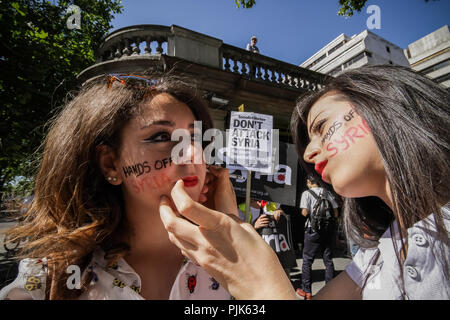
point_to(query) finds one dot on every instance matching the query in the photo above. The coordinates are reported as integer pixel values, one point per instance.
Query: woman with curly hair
(106, 162)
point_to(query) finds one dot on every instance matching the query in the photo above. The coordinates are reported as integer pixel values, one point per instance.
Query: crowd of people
(176, 231)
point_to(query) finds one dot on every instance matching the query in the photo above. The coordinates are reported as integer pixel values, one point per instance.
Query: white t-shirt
(117, 282)
(308, 201)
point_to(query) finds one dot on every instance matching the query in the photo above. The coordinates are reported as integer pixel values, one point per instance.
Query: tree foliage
(347, 6)
(247, 4)
(39, 60)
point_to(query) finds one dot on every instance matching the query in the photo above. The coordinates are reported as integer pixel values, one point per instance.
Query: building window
(408, 53)
(390, 62)
(353, 60)
(436, 67)
(317, 61)
(388, 49)
(443, 78)
(336, 47)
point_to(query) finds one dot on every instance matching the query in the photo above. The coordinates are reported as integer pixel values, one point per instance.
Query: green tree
(347, 6)
(40, 56)
(247, 4)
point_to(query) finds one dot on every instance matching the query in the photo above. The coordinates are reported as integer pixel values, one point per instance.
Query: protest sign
(249, 142)
(281, 186)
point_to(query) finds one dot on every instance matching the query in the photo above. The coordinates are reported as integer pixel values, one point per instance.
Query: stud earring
(113, 179)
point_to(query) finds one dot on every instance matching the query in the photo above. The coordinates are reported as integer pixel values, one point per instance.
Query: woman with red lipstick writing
(94, 228)
(380, 136)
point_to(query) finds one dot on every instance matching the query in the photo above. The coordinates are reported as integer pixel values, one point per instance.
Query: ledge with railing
(151, 41)
(258, 67)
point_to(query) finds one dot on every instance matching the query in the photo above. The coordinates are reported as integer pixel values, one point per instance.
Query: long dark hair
(409, 117)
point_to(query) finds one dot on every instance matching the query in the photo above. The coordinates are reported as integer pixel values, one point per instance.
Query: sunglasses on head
(130, 79)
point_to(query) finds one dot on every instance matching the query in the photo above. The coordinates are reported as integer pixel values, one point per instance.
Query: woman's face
(343, 149)
(147, 170)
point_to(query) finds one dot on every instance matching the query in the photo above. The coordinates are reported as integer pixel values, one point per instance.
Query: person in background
(317, 241)
(252, 45)
(254, 49)
(270, 221)
(256, 210)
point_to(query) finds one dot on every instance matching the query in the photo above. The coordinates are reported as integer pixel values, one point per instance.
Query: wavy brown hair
(409, 117)
(75, 210)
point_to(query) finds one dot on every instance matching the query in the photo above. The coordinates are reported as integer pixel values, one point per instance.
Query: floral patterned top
(116, 282)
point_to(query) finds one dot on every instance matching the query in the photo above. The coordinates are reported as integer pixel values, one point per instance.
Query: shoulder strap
(313, 194)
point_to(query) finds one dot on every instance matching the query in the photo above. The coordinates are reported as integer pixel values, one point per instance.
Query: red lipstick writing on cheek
(320, 167)
(190, 181)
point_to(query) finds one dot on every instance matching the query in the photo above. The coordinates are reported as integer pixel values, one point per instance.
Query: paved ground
(318, 272)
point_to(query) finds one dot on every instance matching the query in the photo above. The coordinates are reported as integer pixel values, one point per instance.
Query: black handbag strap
(313, 194)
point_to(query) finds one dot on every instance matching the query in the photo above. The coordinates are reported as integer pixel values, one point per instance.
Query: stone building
(430, 55)
(344, 52)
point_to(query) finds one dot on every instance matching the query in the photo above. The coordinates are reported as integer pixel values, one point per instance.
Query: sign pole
(247, 195)
(248, 188)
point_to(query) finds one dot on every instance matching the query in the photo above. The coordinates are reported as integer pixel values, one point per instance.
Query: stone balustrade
(255, 66)
(129, 41)
(154, 40)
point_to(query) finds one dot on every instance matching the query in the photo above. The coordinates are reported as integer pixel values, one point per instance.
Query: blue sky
(287, 30)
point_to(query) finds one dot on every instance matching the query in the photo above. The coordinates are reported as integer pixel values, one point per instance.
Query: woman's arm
(232, 251)
(340, 288)
(228, 249)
